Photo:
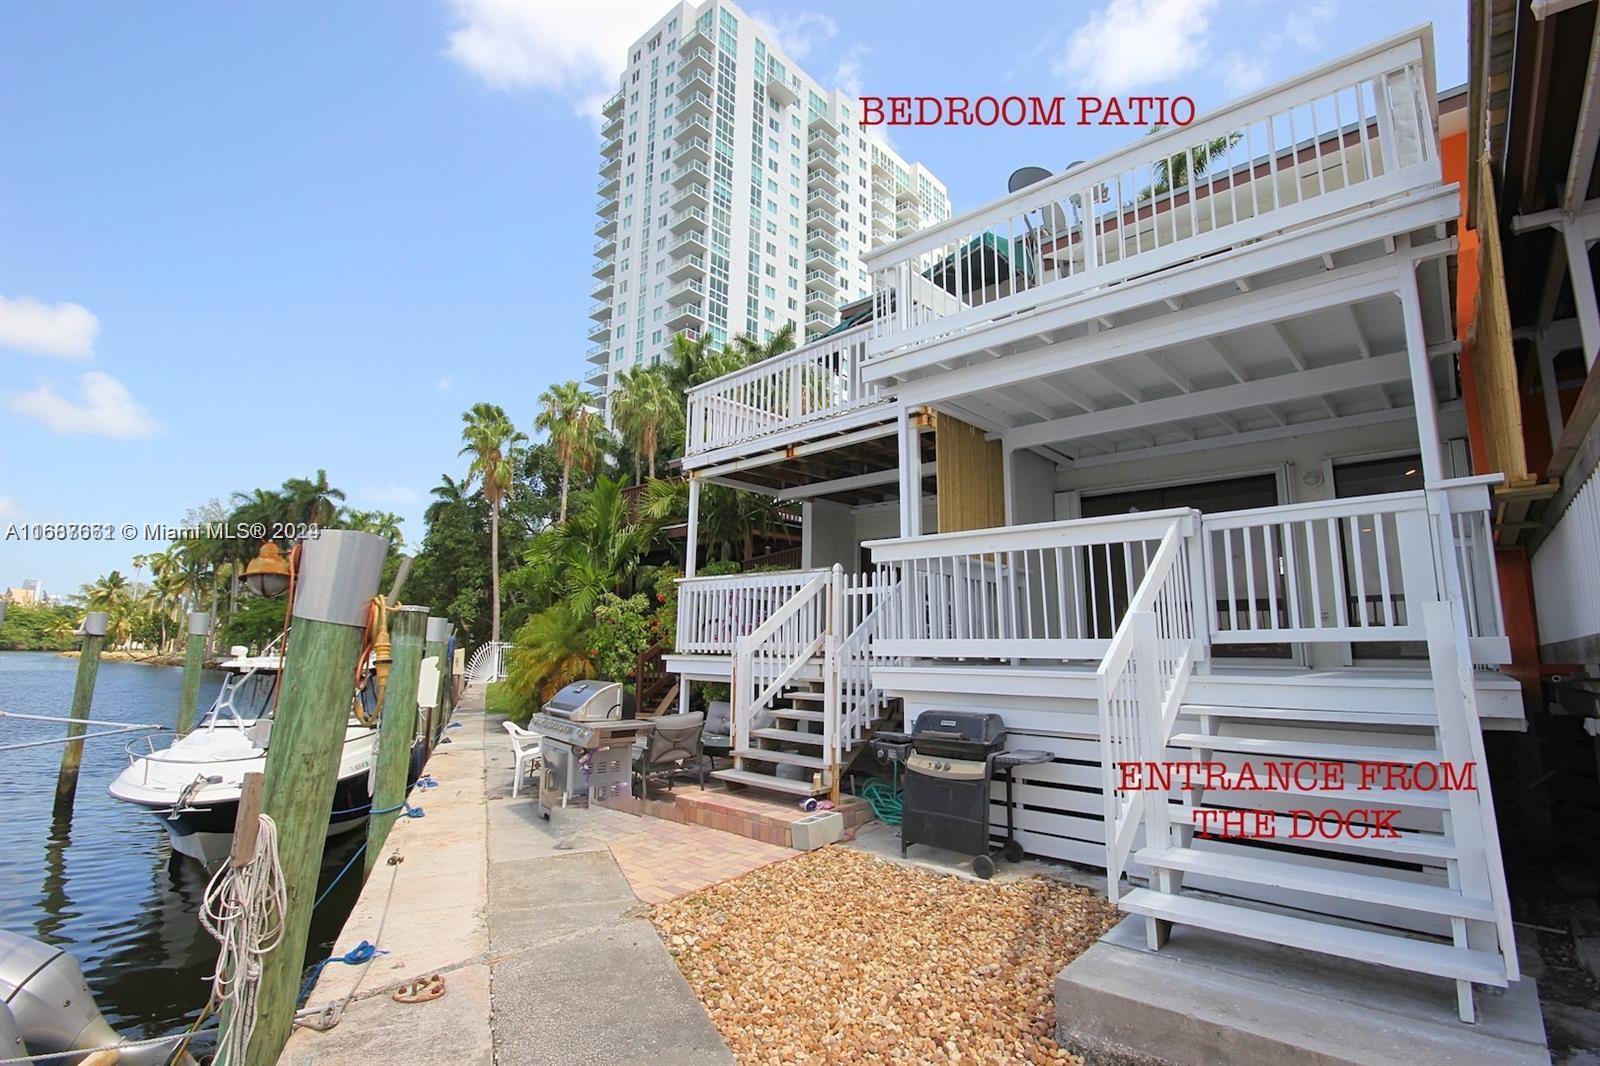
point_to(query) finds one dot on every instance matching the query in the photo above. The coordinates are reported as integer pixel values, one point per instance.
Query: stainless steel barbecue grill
(587, 730)
(950, 758)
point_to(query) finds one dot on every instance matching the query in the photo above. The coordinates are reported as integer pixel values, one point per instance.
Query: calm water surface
(106, 887)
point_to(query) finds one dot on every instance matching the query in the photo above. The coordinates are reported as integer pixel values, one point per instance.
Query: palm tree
(493, 442)
(385, 524)
(105, 591)
(1173, 172)
(754, 351)
(314, 501)
(447, 494)
(597, 550)
(564, 414)
(686, 363)
(646, 410)
(729, 518)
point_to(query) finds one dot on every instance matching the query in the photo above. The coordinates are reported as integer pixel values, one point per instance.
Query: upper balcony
(612, 106)
(1293, 174)
(800, 395)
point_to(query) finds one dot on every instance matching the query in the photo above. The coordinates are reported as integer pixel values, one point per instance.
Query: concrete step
(791, 736)
(1364, 945)
(1275, 873)
(767, 781)
(1305, 749)
(810, 762)
(1311, 716)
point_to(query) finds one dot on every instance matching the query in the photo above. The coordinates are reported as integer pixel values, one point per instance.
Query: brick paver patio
(664, 860)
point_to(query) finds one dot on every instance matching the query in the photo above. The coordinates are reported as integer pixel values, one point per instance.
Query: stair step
(1365, 888)
(1311, 716)
(777, 784)
(810, 762)
(799, 716)
(1364, 945)
(1389, 797)
(1419, 845)
(804, 694)
(1305, 749)
(792, 736)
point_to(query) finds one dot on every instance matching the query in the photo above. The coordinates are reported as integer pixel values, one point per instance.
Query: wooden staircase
(789, 752)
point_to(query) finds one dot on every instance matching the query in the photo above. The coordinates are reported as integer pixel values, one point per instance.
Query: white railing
(1351, 133)
(815, 382)
(1142, 680)
(1056, 590)
(768, 657)
(1353, 570)
(714, 612)
(1566, 577)
(862, 603)
(488, 663)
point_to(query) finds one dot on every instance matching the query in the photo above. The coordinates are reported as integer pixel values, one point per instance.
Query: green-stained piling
(397, 726)
(194, 661)
(94, 641)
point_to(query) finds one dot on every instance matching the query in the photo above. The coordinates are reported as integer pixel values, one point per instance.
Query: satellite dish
(1023, 177)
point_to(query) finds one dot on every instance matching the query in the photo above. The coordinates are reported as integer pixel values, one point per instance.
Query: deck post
(95, 624)
(910, 477)
(397, 725)
(691, 547)
(338, 577)
(194, 660)
(1583, 295)
(1424, 401)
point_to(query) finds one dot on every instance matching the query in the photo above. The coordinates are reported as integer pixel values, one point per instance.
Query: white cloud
(104, 407)
(64, 330)
(576, 50)
(9, 508)
(1303, 27)
(848, 74)
(1131, 44)
(445, 383)
(1243, 74)
(796, 33)
(395, 495)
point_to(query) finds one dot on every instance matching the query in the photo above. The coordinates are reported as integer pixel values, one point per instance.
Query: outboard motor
(45, 1007)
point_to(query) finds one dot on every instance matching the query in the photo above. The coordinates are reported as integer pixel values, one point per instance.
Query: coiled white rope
(244, 909)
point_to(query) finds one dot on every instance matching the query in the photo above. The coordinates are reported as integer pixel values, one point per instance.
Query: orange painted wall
(1511, 564)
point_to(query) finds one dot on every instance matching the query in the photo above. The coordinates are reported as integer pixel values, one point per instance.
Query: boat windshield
(246, 695)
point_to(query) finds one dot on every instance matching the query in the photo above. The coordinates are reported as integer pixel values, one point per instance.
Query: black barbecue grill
(950, 758)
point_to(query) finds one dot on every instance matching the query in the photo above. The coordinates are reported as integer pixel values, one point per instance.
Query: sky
(243, 242)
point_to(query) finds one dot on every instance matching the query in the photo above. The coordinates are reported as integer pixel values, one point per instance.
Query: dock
(531, 924)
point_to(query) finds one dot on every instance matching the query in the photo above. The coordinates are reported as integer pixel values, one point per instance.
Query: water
(107, 887)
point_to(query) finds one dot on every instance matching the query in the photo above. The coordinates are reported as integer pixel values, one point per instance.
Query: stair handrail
(853, 687)
(746, 678)
(1141, 683)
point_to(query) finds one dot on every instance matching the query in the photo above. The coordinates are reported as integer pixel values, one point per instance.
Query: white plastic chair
(526, 745)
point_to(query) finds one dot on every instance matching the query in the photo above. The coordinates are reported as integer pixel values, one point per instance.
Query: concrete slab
(407, 1034)
(1207, 998)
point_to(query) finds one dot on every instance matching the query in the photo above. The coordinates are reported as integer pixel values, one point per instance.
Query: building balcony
(608, 187)
(1365, 158)
(826, 219)
(685, 316)
(604, 268)
(693, 241)
(782, 91)
(819, 238)
(685, 220)
(817, 300)
(826, 280)
(688, 265)
(695, 39)
(607, 227)
(691, 128)
(881, 166)
(600, 332)
(823, 124)
(606, 206)
(694, 195)
(612, 147)
(611, 166)
(695, 150)
(612, 128)
(602, 290)
(820, 198)
(689, 171)
(605, 247)
(598, 353)
(883, 206)
(821, 179)
(821, 321)
(696, 105)
(600, 310)
(691, 289)
(819, 258)
(825, 144)
(820, 159)
(613, 105)
(908, 211)
(697, 82)
(597, 377)
(699, 60)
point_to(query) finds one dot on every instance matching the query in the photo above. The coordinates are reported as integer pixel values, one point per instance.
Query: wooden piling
(95, 624)
(337, 579)
(194, 661)
(397, 726)
(438, 640)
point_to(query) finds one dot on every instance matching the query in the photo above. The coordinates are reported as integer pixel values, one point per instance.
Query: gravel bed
(839, 956)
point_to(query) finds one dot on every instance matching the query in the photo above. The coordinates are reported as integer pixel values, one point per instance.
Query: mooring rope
(244, 909)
